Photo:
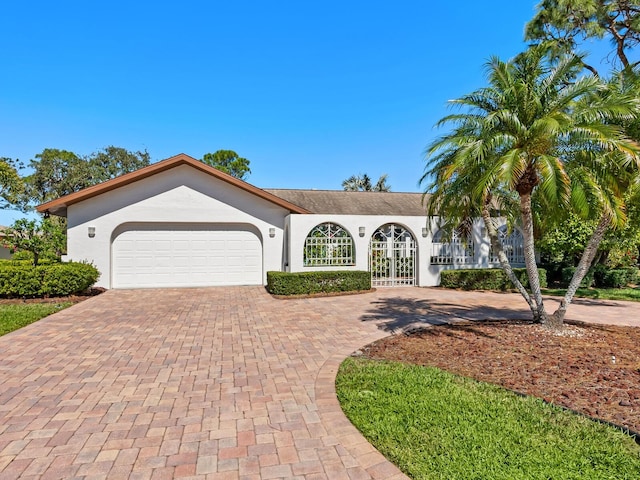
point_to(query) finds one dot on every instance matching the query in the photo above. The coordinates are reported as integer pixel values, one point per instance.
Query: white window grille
(459, 251)
(512, 244)
(328, 244)
(392, 252)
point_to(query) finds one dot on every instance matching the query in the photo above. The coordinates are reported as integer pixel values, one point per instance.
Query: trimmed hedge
(306, 283)
(486, 278)
(615, 277)
(567, 275)
(58, 279)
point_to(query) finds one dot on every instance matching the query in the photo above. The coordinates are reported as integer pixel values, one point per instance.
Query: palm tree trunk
(530, 257)
(556, 320)
(502, 257)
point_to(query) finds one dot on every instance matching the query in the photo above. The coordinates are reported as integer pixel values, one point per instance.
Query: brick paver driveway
(207, 383)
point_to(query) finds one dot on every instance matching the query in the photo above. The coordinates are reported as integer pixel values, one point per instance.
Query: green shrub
(22, 255)
(305, 283)
(554, 272)
(24, 280)
(21, 260)
(567, 275)
(486, 278)
(27, 257)
(614, 277)
(19, 280)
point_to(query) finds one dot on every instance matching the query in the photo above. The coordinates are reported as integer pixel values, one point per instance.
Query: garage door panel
(173, 257)
(217, 261)
(143, 262)
(164, 262)
(143, 245)
(252, 261)
(235, 245)
(235, 261)
(163, 245)
(200, 262)
(180, 245)
(200, 245)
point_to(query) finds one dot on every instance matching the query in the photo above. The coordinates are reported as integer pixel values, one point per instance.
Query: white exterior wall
(481, 253)
(183, 195)
(180, 195)
(426, 274)
(301, 225)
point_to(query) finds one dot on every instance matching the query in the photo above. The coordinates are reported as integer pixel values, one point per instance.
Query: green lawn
(632, 294)
(435, 425)
(13, 317)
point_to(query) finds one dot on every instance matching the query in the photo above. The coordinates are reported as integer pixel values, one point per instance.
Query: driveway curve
(209, 383)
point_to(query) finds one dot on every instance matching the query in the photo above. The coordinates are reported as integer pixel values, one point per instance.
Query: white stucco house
(181, 223)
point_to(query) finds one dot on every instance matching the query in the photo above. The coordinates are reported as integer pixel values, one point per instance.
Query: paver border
(346, 434)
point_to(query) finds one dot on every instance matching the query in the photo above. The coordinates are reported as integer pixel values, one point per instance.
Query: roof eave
(59, 206)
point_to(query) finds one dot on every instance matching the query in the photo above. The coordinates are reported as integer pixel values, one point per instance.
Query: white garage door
(186, 256)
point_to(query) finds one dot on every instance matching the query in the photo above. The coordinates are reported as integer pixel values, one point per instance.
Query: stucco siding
(185, 197)
(481, 252)
(301, 225)
(181, 195)
(427, 274)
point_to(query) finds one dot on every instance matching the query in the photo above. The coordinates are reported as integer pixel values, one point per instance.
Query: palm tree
(363, 183)
(535, 135)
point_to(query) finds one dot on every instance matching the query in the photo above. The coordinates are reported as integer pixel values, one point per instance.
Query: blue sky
(309, 92)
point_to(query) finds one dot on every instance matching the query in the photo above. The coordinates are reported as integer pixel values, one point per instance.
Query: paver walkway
(208, 383)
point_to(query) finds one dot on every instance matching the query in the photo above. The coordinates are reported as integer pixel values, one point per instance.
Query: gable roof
(59, 205)
(340, 202)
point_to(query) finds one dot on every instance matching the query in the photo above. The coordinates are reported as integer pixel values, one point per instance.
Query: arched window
(392, 251)
(328, 244)
(512, 244)
(459, 251)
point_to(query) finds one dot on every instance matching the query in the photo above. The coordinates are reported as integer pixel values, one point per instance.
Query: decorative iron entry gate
(392, 257)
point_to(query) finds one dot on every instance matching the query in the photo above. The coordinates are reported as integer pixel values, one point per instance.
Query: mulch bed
(594, 370)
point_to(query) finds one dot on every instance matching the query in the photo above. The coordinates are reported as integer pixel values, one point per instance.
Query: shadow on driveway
(397, 314)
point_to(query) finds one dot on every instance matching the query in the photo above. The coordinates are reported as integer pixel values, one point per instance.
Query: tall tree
(56, 173)
(535, 135)
(111, 162)
(566, 24)
(229, 162)
(570, 25)
(11, 184)
(363, 183)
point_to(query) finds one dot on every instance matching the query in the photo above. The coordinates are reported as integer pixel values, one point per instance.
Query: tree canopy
(363, 183)
(111, 162)
(538, 137)
(44, 238)
(566, 24)
(229, 162)
(56, 173)
(11, 184)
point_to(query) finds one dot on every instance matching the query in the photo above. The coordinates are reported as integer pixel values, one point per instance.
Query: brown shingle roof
(339, 202)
